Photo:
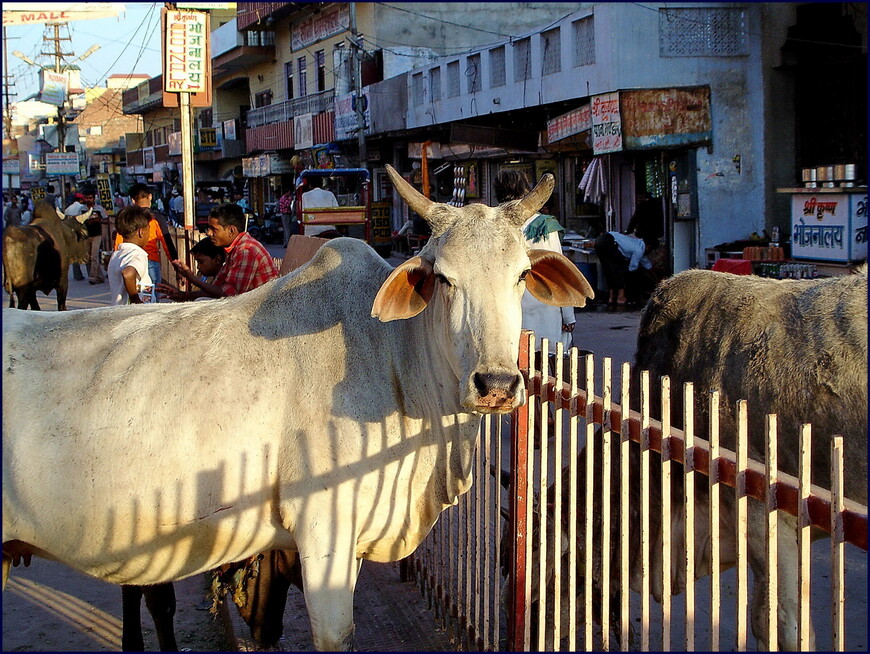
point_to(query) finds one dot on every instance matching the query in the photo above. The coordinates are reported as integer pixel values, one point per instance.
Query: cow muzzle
(495, 392)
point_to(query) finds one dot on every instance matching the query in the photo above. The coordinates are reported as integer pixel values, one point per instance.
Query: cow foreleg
(160, 600)
(131, 622)
(7, 565)
(329, 580)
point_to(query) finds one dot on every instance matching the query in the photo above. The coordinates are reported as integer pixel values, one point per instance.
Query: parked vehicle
(353, 215)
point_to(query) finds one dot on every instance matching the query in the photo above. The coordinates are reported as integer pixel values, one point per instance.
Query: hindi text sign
(606, 123)
(186, 57)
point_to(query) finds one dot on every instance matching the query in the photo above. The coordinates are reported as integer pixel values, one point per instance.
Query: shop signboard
(346, 120)
(606, 123)
(278, 165)
(174, 142)
(382, 228)
(37, 194)
(230, 129)
(104, 191)
(186, 57)
(303, 131)
(61, 163)
(316, 27)
(829, 226)
(658, 118)
(207, 138)
(574, 122)
(54, 88)
(27, 13)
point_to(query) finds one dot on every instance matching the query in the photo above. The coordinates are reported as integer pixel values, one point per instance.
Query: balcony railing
(283, 111)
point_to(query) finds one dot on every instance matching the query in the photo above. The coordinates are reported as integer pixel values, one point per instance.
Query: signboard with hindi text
(829, 226)
(186, 57)
(61, 163)
(606, 123)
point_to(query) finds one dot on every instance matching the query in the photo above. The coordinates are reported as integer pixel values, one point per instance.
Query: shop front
(629, 146)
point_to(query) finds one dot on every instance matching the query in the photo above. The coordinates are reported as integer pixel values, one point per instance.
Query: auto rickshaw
(353, 215)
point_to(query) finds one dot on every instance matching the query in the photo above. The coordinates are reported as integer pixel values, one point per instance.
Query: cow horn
(418, 202)
(60, 214)
(83, 217)
(535, 199)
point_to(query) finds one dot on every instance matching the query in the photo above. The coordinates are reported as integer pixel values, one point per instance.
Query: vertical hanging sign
(186, 57)
(606, 123)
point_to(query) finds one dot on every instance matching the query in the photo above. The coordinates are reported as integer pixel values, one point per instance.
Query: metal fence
(600, 503)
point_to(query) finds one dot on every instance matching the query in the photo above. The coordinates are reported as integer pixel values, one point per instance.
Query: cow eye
(442, 279)
(523, 275)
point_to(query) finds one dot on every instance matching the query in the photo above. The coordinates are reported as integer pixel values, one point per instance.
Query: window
(205, 117)
(584, 41)
(702, 32)
(417, 88)
(452, 79)
(522, 60)
(302, 66)
(435, 84)
(473, 72)
(263, 98)
(96, 130)
(288, 76)
(496, 67)
(320, 65)
(551, 44)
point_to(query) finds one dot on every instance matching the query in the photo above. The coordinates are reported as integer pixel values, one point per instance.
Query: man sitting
(248, 264)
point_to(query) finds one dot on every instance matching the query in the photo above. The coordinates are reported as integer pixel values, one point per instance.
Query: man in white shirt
(317, 198)
(619, 255)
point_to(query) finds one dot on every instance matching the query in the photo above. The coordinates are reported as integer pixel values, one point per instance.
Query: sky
(129, 43)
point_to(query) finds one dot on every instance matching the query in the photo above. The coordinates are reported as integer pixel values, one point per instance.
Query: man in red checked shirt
(248, 264)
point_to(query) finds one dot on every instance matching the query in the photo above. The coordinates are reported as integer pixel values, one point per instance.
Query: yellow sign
(207, 137)
(381, 223)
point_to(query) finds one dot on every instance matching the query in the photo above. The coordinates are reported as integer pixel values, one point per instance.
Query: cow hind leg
(788, 615)
(329, 580)
(160, 600)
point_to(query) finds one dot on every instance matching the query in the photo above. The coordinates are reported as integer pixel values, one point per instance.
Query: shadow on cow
(333, 412)
(37, 256)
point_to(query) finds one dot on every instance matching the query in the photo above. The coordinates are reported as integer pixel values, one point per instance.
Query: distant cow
(333, 412)
(36, 257)
(794, 348)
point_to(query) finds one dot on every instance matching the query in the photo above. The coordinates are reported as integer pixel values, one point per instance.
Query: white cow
(332, 412)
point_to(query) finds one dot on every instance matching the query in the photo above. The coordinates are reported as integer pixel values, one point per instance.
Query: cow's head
(474, 270)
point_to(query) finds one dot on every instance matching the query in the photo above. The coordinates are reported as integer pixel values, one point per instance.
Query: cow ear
(60, 214)
(555, 280)
(406, 292)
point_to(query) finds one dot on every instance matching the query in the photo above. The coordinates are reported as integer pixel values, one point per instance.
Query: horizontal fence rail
(582, 509)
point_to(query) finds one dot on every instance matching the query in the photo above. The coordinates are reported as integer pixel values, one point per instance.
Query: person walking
(176, 208)
(12, 214)
(99, 217)
(285, 208)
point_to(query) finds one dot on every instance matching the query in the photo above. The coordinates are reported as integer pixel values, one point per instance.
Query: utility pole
(8, 83)
(58, 55)
(356, 53)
